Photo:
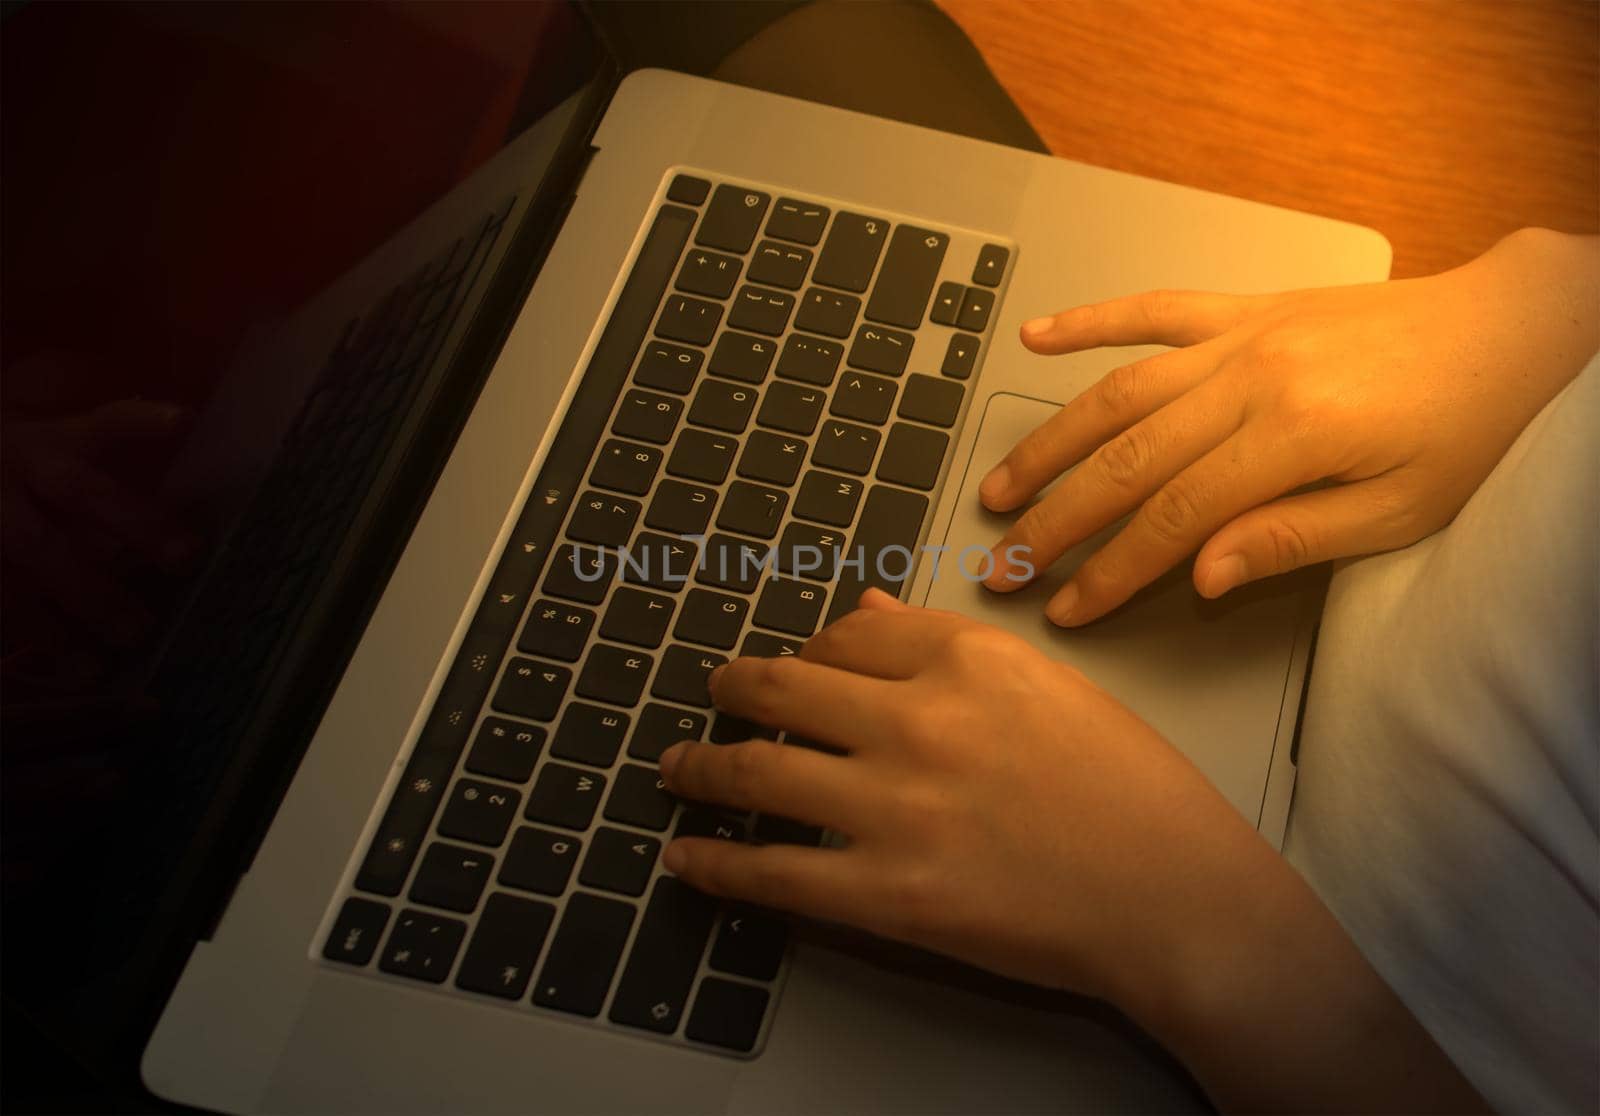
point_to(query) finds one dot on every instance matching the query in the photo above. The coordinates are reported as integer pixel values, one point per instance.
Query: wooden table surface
(1444, 124)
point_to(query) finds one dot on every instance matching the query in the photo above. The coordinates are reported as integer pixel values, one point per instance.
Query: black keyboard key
(640, 798)
(505, 749)
(780, 265)
(662, 726)
(505, 945)
(913, 455)
(773, 830)
(626, 467)
(532, 689)
(654, 990)
(844, 445)
(668, 367)
(975, 310)
(659, 561)
(581, 573)
(732, 218)
(619, 861)
(479, 812)
(698, 821)
(727, 1014)
(799, 221)
(851, 251)
(790, 606)
(739, 356)
(752, 509)
(688, 319)
(771, 458)
(648, 417)
(828, 498)
(891, 521)
(991, 265)
(682, 676)
(565, 796)
(540, 860)
(728, 729)
(683, 509)
(637, 617)
(688, 189)
(355, 933)
(910, 267)
(601, 518)
(947, 304)
(791, 407)
(828, 312)
(711, 618)
(584, 955)
(750, 943)
(880, 350)
(590, 734)
(614, 674)
(765, 645)
(731, 563)
(702, 455)
(809, 551)
(423, 946)
(556, 630)
(863, 398)
(960, 356)
(722, 406)
(708, 273)
(761, 310)
(451, 877)
(810, 359)
(931, 400)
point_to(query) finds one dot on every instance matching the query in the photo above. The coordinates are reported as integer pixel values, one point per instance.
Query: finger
(1240, 474)
(828, 884)
(1115, 479)
(128, 421)
(1116, 402)
(1151, 318)
(880, 643)
(808, 699)
(1339, 522)
(781, 779)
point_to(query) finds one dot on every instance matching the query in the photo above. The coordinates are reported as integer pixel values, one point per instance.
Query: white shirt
(1448, 802)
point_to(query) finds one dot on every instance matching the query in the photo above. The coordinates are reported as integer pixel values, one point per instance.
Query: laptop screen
(180, 178)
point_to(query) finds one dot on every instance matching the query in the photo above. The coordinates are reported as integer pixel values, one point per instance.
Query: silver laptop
(758, 327)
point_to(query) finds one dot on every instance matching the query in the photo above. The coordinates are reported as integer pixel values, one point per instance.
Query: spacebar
(892, 518)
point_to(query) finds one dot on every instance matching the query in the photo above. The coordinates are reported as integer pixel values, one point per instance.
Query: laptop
(676, 340)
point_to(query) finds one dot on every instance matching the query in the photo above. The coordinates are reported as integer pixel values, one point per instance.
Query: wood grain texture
(1444, 124)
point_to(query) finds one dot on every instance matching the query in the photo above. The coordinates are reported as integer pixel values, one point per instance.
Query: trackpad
(1210, 676)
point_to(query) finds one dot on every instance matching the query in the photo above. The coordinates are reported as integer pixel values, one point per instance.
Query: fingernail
(996, 484)
(997, 577)
(672, 860)
(1063, 605)
(1226, 573)
(1037, 326)
(669, 760)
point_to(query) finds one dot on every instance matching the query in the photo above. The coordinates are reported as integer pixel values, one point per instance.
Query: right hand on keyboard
(1407, 393)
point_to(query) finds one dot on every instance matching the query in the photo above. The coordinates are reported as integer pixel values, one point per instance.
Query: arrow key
(750, 943)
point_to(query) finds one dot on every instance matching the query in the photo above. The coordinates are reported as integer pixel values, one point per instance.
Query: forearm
(1272, 1007)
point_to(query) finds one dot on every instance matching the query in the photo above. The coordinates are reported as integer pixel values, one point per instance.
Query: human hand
(1406, 393)
(999, 807)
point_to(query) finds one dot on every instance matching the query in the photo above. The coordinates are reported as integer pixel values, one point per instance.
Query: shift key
(851, 252)
(654, 991)
(910, 267)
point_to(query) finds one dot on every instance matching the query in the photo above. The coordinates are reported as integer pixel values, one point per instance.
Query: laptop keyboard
(780, 380)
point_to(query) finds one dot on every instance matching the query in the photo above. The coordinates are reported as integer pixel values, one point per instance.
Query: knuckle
(748, 767)
(1162, 309)
(1290, 546)
(912, 891)
(1171, 513)
(1120, 391)
(1123, 460)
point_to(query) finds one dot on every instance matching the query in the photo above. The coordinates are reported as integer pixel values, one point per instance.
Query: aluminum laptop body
(261, 1021)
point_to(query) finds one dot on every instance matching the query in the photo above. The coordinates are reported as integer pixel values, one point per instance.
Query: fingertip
(675, 858)
(996, 487)
(1224, 574)
(1063, 609)
(1036, 330)
(883, 602)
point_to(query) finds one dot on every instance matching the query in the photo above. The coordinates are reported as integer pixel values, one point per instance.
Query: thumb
(1305, 529)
